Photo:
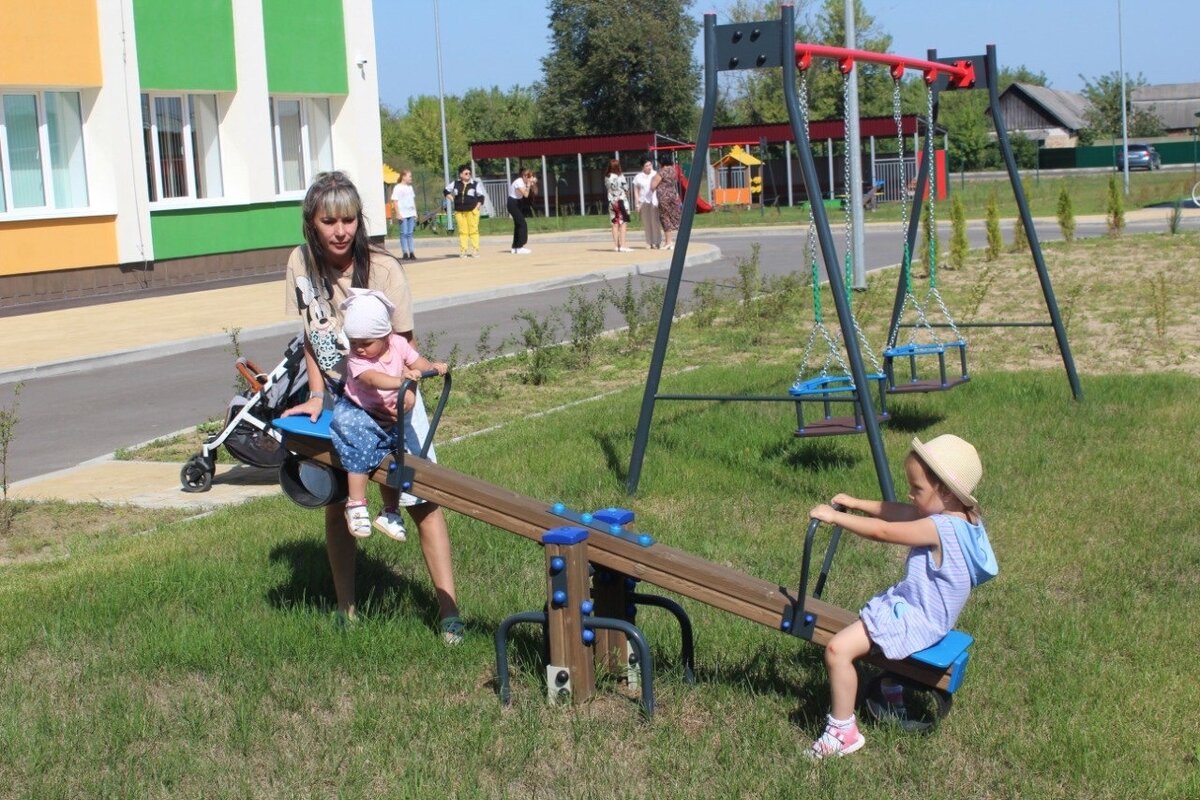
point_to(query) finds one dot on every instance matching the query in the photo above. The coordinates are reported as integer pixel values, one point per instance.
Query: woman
(647, 204)
(618, 203)
(666, 189)
(467, 195)
(406, 212)
(336, 256)
(521, 188)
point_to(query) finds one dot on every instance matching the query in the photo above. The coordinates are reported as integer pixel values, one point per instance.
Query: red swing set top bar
(961, 74)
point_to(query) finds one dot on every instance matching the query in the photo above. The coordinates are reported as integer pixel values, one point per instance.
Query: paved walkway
(76, 339)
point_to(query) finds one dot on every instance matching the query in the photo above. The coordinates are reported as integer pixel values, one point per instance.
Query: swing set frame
(771, 44)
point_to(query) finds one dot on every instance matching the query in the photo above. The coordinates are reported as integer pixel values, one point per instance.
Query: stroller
(248, 434)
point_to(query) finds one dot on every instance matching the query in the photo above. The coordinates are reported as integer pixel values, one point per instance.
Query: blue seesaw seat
(301, 425)
(952, 652)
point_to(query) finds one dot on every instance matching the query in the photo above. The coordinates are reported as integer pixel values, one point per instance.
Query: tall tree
(491, 115)
(418, 134)
(1103, 116)
(617, 66)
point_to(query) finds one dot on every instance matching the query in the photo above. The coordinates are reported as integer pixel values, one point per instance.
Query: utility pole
(1124, 120)
(437, 32)
(854, 194)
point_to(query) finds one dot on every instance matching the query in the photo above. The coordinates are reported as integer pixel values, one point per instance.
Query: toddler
(367, 419)
(948, 554)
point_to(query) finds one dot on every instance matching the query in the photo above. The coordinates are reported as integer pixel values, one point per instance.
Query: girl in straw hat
(949, 553)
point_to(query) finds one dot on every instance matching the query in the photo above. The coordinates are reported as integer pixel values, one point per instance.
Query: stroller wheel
(197, 474)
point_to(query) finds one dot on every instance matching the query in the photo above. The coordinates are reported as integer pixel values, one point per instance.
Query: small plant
(626, 302)
(1069, 297)
(958, 234)
(1160, 302)
(1115, 208)
(8, 427)
(705, 303)
(586, 324)
(995, 240)
(240, 384)
(484, 349)
(749, 279)
(979, 291)
(538, 339)
(1175, 218)
(638, 310)
(1020, 241)
(1066, 216)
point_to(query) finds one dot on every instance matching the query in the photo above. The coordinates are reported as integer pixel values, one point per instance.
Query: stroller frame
(197, 474)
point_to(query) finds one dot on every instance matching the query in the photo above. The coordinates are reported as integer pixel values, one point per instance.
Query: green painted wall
(205, 231)
(185, 45)
(306, 47)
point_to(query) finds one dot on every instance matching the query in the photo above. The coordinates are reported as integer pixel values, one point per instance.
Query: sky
(501, 43)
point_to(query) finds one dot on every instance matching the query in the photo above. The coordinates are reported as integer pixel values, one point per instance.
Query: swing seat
(916, 384)
(830, 389)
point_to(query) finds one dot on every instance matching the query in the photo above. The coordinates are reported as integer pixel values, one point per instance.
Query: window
(183, 146)
(302, 141)
(42, 162)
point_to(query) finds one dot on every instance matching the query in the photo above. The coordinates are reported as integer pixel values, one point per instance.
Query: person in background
(646, 202)
(521, 188)
(670, 208)
(618, 203)
(467, 194)
(406, 212)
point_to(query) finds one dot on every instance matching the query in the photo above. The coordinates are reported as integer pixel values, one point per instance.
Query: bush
(1115, 209)
(958, 234)
(1066, 215)
(995, 240)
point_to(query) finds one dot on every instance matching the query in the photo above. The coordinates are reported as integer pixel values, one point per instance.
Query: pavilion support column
(545, 189)
(829, 159)
(582, 204)
(787, 159)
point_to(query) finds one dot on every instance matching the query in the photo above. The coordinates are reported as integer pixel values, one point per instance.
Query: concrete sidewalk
(47, 343)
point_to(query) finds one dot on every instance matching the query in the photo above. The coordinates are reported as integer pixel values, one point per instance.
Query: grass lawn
(197, 658)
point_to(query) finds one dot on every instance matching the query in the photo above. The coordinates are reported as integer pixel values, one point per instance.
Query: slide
(702, 205)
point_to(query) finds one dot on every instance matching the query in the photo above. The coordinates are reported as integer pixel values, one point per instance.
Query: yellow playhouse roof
(737, 155)
(390, 175)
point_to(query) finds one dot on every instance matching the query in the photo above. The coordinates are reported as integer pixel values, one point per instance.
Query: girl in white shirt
(524, 185)
(406, 212)
(646, 201)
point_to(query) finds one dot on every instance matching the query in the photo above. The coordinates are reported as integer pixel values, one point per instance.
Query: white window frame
(308, 167)
(190, 197)
(50, 203)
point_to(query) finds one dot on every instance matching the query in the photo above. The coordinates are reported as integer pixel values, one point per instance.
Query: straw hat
(955, 463)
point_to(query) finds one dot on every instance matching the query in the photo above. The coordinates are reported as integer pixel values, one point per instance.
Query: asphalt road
(70, 419)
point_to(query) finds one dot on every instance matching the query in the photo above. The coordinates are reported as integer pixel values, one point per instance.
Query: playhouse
(734, 176)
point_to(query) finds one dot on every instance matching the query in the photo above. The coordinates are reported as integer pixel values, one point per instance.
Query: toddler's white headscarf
(367, 314)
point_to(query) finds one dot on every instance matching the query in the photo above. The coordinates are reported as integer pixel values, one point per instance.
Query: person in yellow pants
(467, 194)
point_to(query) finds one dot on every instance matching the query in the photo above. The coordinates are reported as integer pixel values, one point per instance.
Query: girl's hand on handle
(822, 512)
(441, 368)
(312, 407)
(844, 500)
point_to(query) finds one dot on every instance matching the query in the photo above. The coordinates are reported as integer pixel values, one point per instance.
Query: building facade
(148, 143)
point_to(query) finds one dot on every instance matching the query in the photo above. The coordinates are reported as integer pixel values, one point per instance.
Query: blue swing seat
(301, 425)
(907, 350)
(829, 384)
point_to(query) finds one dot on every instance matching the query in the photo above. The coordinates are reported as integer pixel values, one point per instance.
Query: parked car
(1141, 156)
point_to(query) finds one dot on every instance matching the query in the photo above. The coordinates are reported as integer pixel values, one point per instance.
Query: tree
(995, 240)
(1066, 216)
(597, 78)
(959, 246)
(420, 133)
(1103, 114)
(490, 115)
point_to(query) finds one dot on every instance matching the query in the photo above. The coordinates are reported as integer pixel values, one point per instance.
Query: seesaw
(594, 562)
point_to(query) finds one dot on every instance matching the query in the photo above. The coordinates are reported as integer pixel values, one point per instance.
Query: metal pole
(579, 165)
(833, 271)
(1124, 120)
(678, 256)
(854, 142)
(437, 35)
(1035, 247)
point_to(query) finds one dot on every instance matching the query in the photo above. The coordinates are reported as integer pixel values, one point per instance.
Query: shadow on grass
(379, 591)
(908, 418)
(819, 454)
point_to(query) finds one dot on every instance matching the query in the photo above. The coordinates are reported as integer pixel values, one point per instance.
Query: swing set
(841, 378)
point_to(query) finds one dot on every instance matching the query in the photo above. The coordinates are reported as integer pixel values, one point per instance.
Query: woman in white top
(406, 212)
(646, 201)
(524, 186)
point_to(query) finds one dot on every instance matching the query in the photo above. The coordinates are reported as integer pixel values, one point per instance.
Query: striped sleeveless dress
(922, 608)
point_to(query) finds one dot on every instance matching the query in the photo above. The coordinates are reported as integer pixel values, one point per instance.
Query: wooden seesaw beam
(659, 564)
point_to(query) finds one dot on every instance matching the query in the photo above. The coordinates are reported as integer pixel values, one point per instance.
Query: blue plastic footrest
(301, 425)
